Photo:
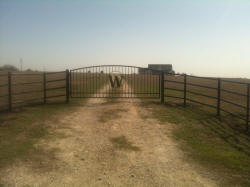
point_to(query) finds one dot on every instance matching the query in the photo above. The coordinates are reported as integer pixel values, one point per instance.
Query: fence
(223, 95)
(22, 89)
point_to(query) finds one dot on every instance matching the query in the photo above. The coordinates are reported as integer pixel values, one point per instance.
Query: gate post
(162, 88)
(67, 86)
(185, 90)
(44, 88)
(247, 117)
(218, 96)
(9, 91)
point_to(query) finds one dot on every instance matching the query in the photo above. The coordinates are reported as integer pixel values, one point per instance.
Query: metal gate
(108, 81)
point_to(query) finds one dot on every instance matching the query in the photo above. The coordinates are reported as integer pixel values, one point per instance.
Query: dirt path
(110, 144)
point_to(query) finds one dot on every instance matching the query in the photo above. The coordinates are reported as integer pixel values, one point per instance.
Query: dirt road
(108, 143)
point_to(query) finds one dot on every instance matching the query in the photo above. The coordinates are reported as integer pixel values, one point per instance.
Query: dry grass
(150, 83)
(121, 142)
(219, 145)
(110, 114)
(144, 84)
(233, 87)
(34, 92)
(20, 132)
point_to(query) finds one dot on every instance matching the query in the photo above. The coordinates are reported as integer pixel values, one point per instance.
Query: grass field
(201, 90)
(28, 88)
(145, 85)
(240, 100)
(218, 145)
(20, 131)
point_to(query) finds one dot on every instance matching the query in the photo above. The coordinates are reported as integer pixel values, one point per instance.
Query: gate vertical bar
(159, 89)
(70, 84)
(44, 88)
(81, 81)
(85, 83)
(185, 90)
(125, 74)
(162, 87)
(247, 117)
(9, 90)
(96, 92)
(67, 86)
(218, 96)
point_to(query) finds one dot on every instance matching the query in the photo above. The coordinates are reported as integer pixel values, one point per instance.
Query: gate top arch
(110, 81)
(118, 66)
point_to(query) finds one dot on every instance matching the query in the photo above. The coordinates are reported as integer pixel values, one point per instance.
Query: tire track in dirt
(110, 144)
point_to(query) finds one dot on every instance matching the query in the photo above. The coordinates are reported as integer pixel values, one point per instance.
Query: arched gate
(108, 81)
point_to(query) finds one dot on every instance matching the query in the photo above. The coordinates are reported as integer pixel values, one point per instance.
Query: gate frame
(160, 73)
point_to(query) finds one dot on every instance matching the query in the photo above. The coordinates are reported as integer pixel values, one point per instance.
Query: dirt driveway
(109, 143)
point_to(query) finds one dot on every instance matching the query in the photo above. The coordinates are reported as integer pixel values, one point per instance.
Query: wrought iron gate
(115, 81)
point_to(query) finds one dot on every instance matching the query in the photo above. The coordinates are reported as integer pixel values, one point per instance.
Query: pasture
(113, 136)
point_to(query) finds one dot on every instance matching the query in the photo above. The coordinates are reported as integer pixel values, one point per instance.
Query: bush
(8, 67)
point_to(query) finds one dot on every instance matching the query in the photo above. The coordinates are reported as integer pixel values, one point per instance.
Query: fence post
(9, 91)
(70, 84)
(159, 86)
(248, 95)
(44, 88)
(218, 96)
(162, 87)
(67, 86)
(185, 90)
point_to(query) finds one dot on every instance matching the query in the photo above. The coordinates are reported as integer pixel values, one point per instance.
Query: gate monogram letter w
(115, 79)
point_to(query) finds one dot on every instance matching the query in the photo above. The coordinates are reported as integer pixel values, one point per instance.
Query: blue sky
(201, 37)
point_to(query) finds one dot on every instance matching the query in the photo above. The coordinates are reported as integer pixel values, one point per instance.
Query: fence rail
(216, 93)
(13, 88)
(225, 94)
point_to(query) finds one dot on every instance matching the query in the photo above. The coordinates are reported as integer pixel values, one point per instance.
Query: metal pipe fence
(223, 95)
(22, 89)
(228, 96)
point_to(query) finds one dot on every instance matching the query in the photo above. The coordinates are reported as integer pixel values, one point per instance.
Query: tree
(8, 67)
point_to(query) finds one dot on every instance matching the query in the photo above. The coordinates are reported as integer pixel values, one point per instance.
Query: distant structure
(166, 68)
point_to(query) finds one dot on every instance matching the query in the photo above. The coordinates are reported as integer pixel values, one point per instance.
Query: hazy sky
(202, 37)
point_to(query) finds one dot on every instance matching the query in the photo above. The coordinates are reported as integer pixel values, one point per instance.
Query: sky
(199, 37)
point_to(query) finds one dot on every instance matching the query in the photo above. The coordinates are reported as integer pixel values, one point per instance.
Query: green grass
(110, 114)
(220, 145)
(20, 132)
(121, 142)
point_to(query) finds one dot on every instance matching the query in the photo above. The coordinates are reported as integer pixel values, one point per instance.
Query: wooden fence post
(218, 96)
(162, 87)
(44, 88)
(185, 90)
(247, 117)
(67, 86)
(9, 91)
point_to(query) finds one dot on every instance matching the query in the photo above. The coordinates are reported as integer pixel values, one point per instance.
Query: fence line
(44, 84)
(219, 99)
(47, 85)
